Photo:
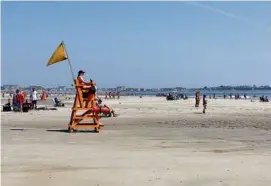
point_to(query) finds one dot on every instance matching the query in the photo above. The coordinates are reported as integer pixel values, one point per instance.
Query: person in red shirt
(91, 85)
(20, 100)
(80, 78)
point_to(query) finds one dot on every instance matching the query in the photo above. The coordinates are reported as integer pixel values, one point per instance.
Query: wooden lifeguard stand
(83, 110)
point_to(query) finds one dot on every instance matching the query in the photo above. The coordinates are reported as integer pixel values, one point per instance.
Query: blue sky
(138, 44)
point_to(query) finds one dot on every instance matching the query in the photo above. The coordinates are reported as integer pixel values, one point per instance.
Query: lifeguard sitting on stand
(89, 88)
(80, 78)
(85, 104)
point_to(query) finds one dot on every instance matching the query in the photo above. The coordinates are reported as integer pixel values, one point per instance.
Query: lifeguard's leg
(91, 100)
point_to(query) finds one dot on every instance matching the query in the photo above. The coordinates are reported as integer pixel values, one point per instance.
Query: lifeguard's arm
(81, 81)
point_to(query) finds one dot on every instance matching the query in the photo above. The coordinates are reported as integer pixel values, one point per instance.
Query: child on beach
(204, 104)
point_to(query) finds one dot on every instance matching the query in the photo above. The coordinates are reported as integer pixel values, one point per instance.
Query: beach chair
(84, 102)
(57, 103)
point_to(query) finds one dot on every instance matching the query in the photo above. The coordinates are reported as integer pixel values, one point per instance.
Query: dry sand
(152, 142)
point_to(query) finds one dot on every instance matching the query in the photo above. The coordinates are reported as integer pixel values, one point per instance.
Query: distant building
(52, 90)
(130, 89)
(155, 89)
(36, 87)
(121, 88)
(141, 89)
(167, 89)
(70, 89)
(10, 88)
(61, 88)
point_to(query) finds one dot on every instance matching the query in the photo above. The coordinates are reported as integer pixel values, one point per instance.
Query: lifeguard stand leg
(88, 112)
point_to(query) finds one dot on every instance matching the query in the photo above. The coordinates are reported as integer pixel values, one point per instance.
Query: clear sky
(138, 44)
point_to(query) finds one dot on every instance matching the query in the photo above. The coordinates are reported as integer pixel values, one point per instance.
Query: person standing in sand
(197, 98)
(19, 100)
(14, 101)
(105, 95)
(204, 104)
(34, 98)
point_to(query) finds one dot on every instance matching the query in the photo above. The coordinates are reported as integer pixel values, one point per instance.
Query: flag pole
(73, 77)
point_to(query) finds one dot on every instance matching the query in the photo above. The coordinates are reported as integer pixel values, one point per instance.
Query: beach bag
(6, 108)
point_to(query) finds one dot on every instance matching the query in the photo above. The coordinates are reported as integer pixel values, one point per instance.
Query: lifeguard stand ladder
(85, 106)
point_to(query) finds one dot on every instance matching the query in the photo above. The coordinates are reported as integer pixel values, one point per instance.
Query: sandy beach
(151, 142)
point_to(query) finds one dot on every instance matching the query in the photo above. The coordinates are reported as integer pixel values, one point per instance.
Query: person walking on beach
(14, 101)
(204, 104)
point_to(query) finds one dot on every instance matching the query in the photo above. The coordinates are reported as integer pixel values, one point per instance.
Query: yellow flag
(58, 56)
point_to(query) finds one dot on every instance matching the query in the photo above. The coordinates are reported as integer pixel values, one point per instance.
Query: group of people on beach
(19, 97)
(197, 101)
(19, 100)
(235, 96)
(264, 99)
(112, 95)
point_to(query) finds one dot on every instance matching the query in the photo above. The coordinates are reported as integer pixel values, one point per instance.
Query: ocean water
(251, 93)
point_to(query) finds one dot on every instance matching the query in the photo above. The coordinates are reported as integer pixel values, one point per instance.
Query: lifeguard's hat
(81, 71)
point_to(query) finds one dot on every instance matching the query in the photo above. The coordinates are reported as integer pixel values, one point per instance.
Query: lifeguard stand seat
(83, 115)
